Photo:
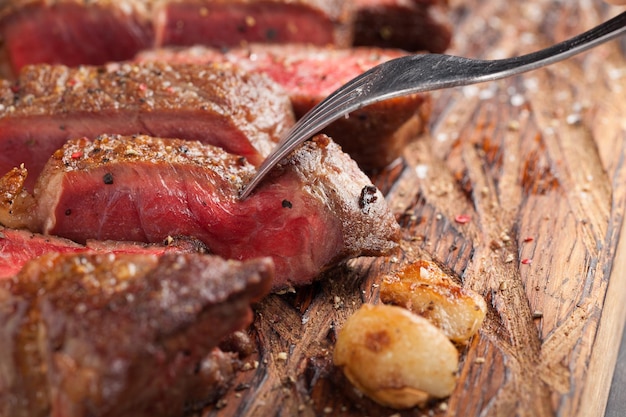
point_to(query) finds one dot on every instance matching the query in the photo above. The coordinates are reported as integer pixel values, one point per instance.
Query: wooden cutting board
(539, 163)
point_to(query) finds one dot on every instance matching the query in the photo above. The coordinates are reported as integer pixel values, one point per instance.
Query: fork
(424, 72)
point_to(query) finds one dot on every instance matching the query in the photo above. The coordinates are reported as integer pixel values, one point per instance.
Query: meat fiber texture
(75, 32)
(119, 335)
(17, 247)
(316, 208)
(374, 136)
(244, 113)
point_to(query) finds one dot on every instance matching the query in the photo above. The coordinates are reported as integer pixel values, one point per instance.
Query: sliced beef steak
(412, 25)
(222, 23)
(73, 32)
(374, 136)
(17, 247)
(241, 112)
(316, 209)
(95, 32)
(119, 335)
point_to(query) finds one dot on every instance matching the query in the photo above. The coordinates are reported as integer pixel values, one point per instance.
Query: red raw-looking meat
(223, 23)
(74, 32)
(315, 210)
(244, 113)
(374, 136)
(17, 247)
(120, 335)
(95, 32)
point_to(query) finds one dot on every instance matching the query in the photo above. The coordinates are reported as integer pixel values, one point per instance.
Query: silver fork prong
(334, 106)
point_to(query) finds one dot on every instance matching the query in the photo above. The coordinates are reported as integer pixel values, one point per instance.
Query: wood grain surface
(537, 161)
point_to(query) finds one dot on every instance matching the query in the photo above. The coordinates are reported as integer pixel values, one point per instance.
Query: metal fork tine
(312, 122)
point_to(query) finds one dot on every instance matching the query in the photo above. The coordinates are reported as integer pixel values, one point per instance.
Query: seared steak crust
(243, 113)
(374, 136)
(104, 335)
(310, 214)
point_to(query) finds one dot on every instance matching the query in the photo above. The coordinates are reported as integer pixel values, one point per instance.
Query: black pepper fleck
(368, 196)
(287, 204)
(271, 34)
(68, 212)
(108, 178)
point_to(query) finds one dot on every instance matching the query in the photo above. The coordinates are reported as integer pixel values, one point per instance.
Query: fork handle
(434, 71)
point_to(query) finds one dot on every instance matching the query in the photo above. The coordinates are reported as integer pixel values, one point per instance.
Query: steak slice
(17, 247)
(374, 135)
(412, 25)
(315, 210)
(241, 112)
(73, 32)
(118, 335)
(95, 32)
(221, 23)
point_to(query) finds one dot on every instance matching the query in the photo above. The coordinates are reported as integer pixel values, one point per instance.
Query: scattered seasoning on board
(462, 218)
(527, 261)
(528, 239)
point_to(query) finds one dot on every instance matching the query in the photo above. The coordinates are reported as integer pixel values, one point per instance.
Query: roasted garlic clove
(395, 357)
(425, 289)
